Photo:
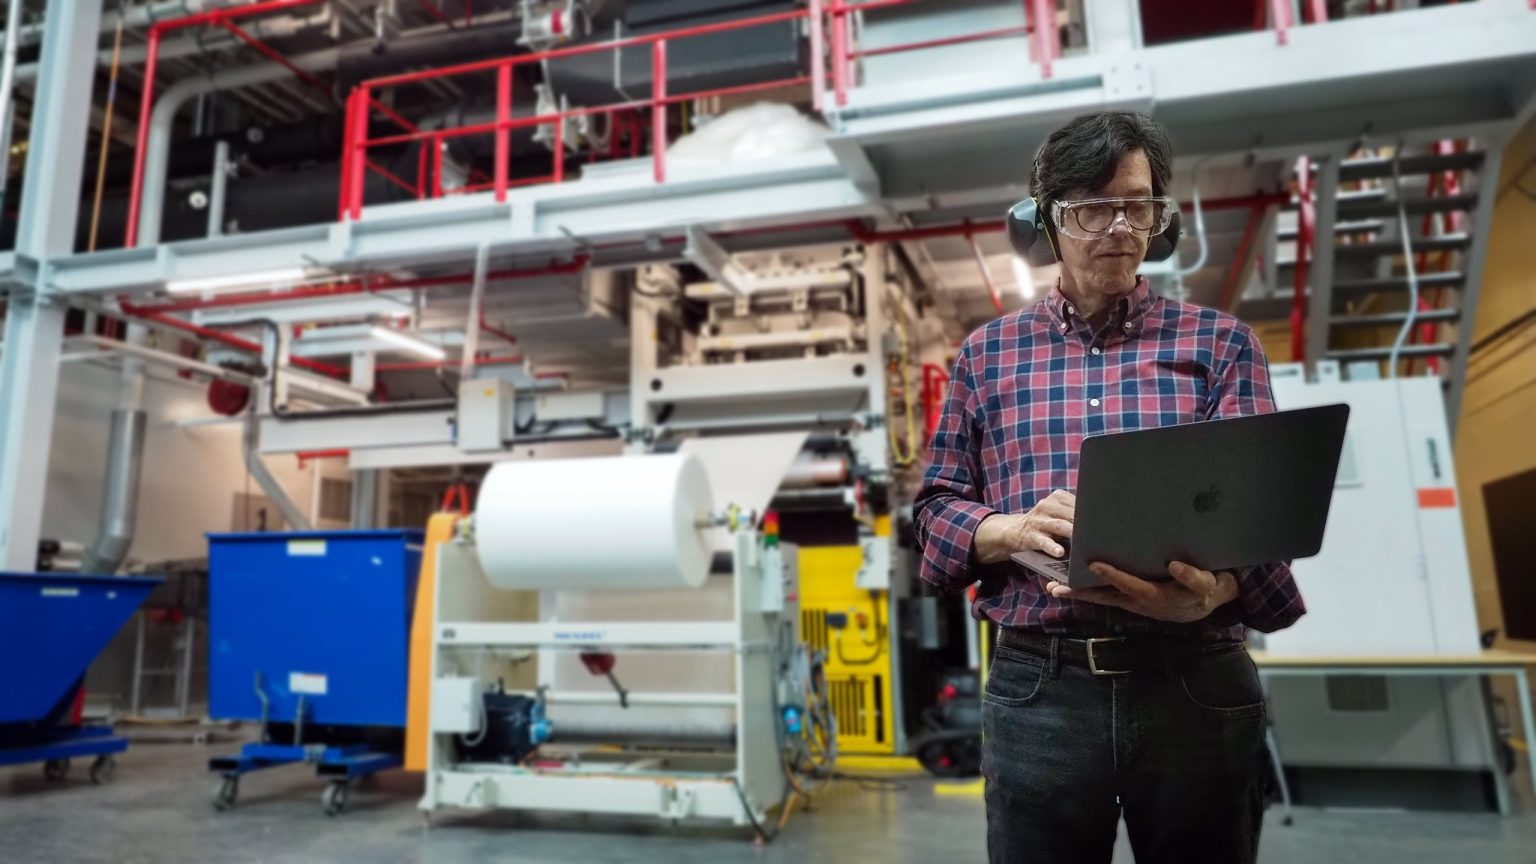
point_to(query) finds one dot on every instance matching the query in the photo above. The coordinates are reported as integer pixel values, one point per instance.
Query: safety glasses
(1094, 217)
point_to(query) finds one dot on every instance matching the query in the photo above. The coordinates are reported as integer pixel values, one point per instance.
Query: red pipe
(306, 455)
(1280, 11)
(445, 364)
(1304, 227)
(1047, 40)
(940, 43)
(268, 52)
(151, 314)
(1229, 289)
(436, 12)
(659, 108)
(146, 107)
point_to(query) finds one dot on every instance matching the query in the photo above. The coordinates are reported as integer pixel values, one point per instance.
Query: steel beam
(34, 325)
(1482, 227)
(1320, 303)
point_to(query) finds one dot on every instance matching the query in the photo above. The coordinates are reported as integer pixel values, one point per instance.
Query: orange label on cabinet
(1443, 496)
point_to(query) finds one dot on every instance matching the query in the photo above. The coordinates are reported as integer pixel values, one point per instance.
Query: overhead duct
(361, 61)
(269, 485)
(119, 508)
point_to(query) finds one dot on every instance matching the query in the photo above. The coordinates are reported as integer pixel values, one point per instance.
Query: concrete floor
(159, 811)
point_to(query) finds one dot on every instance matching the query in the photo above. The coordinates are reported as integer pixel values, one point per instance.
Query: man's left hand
(1193, 594)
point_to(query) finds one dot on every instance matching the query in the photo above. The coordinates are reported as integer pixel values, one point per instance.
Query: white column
(34, 325)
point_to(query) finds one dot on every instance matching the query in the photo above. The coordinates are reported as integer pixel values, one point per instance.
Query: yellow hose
(106, 134)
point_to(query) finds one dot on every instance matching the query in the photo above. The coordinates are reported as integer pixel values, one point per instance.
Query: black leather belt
(1115, 655)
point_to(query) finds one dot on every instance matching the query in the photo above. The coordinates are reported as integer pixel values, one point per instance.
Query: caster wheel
(103, 770)
(228, 791)
(55, 769)
(334, 798)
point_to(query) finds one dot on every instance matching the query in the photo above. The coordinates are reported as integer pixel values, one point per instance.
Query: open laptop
(1219, 494)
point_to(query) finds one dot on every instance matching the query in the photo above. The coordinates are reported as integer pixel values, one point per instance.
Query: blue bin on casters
(309, 636)
(52, 625)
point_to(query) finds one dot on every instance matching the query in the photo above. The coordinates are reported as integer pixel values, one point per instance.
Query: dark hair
(1085, 153)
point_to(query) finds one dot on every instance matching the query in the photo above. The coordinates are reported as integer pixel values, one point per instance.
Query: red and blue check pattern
(1026, 389)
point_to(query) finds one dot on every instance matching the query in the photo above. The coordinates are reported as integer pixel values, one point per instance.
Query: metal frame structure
(741, 789)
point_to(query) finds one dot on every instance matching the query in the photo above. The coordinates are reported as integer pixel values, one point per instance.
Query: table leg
(1523, 685)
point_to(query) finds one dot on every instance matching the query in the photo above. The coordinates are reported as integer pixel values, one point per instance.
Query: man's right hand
(1003, 534)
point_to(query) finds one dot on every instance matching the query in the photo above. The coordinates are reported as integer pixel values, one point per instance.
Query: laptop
(1219, 494)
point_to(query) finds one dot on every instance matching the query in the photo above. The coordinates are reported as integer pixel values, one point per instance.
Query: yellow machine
(851, 625)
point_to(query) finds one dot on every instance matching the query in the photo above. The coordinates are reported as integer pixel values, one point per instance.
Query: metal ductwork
(362, 61)
(119, 509)
(269, 485)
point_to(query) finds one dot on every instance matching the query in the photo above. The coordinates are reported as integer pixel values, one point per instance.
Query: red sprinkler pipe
(150, 313)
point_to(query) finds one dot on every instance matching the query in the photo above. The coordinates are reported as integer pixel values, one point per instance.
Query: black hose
(282, 413)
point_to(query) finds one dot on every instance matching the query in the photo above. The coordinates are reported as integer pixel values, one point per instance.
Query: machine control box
(485, 414)
(457, 705)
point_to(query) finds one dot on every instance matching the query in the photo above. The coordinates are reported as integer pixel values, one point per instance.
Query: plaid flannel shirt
(1026, 389)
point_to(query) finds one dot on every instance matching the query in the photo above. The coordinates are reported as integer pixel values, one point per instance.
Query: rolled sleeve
(949, 508)
(1268, 597)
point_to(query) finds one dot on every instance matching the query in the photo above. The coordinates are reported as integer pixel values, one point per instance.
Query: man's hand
(1193, 594)
(1003, 534)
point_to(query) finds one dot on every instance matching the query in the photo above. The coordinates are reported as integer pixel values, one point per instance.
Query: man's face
(1107, 265)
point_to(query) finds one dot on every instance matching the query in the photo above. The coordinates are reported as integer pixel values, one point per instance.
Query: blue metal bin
(52, 625)
(322, 616)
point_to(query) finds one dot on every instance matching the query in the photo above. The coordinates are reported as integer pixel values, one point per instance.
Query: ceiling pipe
(119, 507)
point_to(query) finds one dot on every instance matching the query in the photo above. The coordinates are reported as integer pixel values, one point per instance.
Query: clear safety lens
(1095, 217)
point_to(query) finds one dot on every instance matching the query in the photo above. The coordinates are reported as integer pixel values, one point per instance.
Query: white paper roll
(580, 524)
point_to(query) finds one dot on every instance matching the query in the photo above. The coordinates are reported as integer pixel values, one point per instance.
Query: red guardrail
(841, 54)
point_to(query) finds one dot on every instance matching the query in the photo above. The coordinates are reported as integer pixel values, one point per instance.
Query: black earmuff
(1027, 224)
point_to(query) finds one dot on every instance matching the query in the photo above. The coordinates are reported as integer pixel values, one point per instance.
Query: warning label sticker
(307, 683)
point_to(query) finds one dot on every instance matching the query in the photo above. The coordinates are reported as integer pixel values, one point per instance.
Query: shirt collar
(1126, 316)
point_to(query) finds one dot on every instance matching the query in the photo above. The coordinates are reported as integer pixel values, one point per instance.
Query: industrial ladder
(1359, 295)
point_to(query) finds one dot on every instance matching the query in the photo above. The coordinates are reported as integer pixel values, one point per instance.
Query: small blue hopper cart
(52, 625)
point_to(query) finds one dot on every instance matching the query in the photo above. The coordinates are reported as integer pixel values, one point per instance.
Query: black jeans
(1178, 751)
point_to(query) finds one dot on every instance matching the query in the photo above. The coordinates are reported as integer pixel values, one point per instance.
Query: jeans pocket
(1015, 678)
(1226, 684)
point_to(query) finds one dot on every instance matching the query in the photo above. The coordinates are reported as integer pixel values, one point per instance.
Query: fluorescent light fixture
(1023, 280)
(214, 284)
(408, 343)
(395, 303)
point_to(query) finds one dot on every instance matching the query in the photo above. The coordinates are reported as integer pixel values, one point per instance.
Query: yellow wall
(1495, 437)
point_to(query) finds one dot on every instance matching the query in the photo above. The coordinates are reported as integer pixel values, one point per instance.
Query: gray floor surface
(159, 810)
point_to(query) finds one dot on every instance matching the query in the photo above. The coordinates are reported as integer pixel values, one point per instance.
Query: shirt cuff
(1268, 598)
(948, 556)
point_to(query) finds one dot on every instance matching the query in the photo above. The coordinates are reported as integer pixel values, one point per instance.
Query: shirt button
(1093, 402)
(1127, 325)
(1071, 310)
(1096, 351)
(1063, 326)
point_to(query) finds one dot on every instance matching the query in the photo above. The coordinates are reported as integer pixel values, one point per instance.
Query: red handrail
(821, 13)
(1305, 185)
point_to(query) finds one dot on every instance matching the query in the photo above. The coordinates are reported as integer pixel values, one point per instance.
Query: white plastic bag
(758, 131)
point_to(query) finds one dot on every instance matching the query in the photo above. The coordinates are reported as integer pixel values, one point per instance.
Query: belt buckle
(1093, 662)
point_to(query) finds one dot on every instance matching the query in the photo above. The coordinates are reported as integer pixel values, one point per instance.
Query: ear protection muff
(1027, 224)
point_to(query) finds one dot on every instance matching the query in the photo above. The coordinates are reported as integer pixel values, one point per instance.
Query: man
(1160, 717)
